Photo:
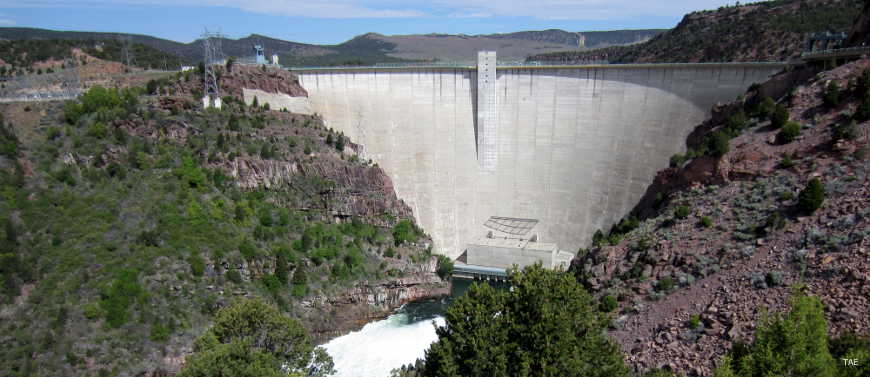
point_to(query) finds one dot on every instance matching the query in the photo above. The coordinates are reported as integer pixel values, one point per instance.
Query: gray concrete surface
(576, 147)
(278, 101)
(504, 253)
(487, 111)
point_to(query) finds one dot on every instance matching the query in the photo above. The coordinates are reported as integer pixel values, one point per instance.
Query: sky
(335, 21)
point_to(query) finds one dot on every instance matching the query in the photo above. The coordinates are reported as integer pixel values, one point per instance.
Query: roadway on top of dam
(595, 72)
(532, 65)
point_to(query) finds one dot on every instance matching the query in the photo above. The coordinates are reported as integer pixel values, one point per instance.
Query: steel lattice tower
(126, 50)
(211, 42)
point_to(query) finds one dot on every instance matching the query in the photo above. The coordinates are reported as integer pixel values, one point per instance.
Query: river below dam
(400, 339)
(384, 345)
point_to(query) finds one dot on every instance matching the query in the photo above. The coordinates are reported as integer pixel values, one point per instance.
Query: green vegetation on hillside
(545, 325)
(22, 54)
(249, 338)
(123, 231)
(796, 344)
(143, 56)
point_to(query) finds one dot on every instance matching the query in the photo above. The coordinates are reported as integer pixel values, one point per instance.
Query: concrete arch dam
(575, 147)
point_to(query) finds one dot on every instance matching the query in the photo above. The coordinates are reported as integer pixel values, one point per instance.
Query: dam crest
(573, 146)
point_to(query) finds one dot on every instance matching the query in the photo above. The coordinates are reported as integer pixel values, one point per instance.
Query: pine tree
(546, 325)
(811, 197)
(793, 345)
(11, 232)
(221, 142)
(250, 338)
(281, 268)
(299, 277)
(832, 95)
(780, 116)
(339, 142)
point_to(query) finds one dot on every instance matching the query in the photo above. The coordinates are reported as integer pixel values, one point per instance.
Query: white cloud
(320, 9)
(580, 9)
(295, 8)
(470, 15)
(541, 9)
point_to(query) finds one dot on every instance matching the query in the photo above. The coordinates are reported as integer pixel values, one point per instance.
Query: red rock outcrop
(755, 246)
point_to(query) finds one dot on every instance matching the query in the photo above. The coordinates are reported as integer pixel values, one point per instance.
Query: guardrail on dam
(575, 147)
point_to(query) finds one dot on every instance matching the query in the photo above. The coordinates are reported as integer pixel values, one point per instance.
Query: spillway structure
(573, 146)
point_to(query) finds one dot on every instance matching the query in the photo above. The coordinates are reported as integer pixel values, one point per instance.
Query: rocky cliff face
(726, 242)
(232, 81)
(329, 316)
(270, 80)
(860, 35)
(332, 314)
(353, 190)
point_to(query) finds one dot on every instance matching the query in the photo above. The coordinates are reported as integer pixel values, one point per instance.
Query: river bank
(387, 344)
(331, 316)
(394, 340)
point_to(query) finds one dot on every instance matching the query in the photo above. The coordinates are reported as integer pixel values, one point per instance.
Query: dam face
(575, 147)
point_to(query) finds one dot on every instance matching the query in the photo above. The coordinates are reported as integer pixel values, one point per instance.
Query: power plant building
(505, 252)
(509, 243)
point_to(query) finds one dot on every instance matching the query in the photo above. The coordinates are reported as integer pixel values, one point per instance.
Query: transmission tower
(126, 50)
(211, 42)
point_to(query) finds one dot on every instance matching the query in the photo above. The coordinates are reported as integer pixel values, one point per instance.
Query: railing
(522, 64)
(42, 97)
(458, 65)
(466, 271)
(836, 51)
(447, 64)
(535, 63)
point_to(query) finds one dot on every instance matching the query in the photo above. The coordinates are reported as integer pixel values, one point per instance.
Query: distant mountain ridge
(189, 52)
(510, 46)
(593, 39)
(763, 31)
(371, 47)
